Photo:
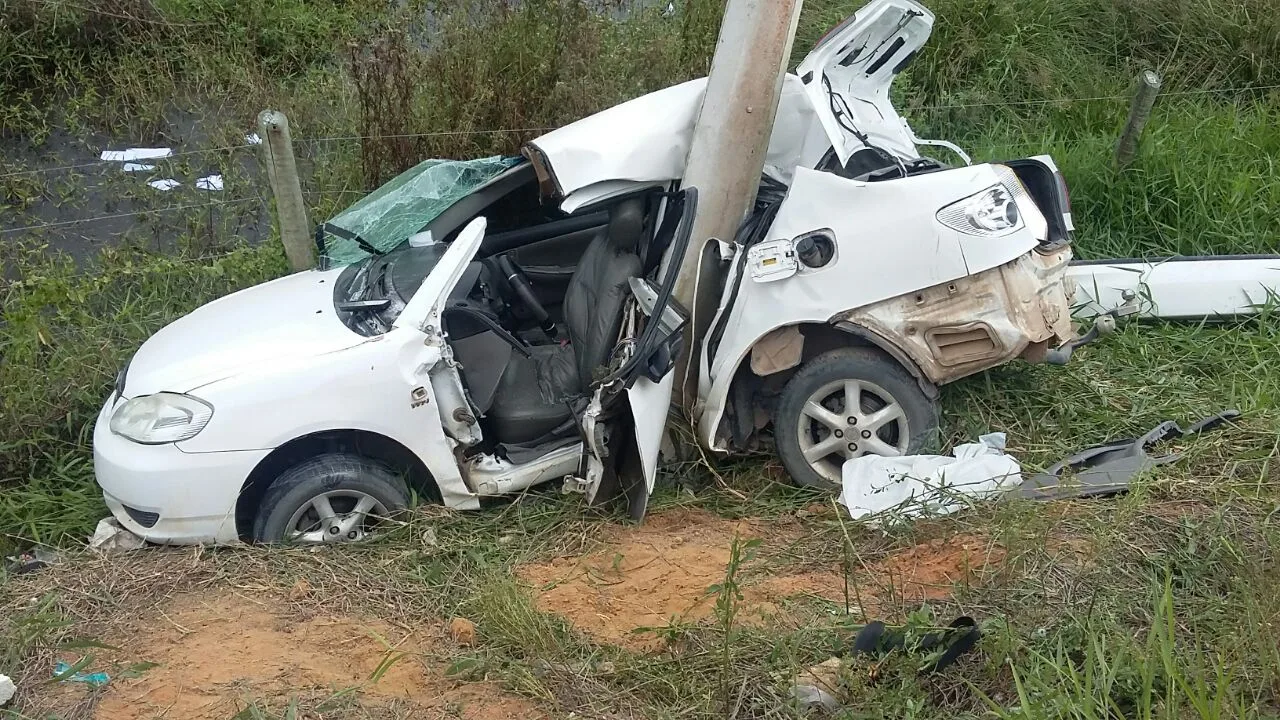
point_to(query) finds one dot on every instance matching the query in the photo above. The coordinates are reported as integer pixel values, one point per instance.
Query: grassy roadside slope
(1002, 79)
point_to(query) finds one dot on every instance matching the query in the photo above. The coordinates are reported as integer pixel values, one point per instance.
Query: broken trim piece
(1220, 287)
(1108, 469)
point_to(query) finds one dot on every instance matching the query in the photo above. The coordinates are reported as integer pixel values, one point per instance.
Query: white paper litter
(212, 182)
(135, 154)
(7, 690)
(110, 536)
(137, 167)
(253, 139)
(929, 484)
(165, 185)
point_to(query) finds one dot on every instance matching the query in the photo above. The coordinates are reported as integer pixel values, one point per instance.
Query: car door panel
(627, 416)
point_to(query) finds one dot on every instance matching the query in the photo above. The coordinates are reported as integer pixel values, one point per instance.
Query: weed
(384, 73)
(728, 594)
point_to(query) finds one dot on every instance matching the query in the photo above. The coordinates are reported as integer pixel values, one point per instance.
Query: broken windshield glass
(386, 217)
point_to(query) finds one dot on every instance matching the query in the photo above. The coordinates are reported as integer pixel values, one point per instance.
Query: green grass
(1174, 615)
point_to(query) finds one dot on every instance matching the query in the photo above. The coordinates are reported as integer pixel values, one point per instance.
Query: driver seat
(532, 398)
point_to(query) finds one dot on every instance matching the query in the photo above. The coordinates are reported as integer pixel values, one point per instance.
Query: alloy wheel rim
(335, 516)
(845, 419)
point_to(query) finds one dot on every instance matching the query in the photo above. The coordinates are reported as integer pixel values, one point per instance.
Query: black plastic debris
(1108, 469)
(32, 561)
(960, 637)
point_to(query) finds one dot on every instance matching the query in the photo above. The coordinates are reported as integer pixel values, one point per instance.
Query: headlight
(161, 418)
(990, 213)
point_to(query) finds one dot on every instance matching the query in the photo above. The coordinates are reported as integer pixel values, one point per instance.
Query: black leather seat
(530, 401)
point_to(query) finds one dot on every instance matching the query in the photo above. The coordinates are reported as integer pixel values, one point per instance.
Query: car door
(423, 309)
(848, 74)
(423, 314)
(624, 422)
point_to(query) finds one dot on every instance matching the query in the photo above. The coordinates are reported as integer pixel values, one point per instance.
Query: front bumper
(190, 496)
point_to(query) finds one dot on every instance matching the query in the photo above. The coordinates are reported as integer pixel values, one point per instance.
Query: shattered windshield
(386, 217)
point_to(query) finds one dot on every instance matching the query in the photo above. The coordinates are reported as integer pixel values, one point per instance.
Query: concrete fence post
(282, 171)
(1139, 112)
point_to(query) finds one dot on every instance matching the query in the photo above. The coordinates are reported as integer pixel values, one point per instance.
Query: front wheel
(845, 404)
(335, 497)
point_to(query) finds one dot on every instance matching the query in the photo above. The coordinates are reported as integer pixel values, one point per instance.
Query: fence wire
(500, 131)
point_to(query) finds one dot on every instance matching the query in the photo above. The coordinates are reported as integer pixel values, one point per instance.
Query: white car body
(277, 364)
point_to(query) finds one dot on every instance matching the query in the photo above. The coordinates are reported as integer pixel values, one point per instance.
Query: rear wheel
(335, 497)
(845, 404)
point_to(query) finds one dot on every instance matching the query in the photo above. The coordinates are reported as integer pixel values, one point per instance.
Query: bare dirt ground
(658, 575)
(215, 654)
(355, 633)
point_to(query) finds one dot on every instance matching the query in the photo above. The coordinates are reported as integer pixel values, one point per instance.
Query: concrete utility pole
(727, 155)
(1139, 112)
(282, 171)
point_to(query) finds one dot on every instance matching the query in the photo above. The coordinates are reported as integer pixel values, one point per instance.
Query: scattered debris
(819, 687)
(109, 536)
(165, 185)
(1108, 469)
(300, 590)
(212, 183)
(253, 139)
(928, 484)
(137, 167)
(32, 560)
(942, 647)
(64, 672)
(463, 631)
(7, 690)
(813, 510)
(135, 154)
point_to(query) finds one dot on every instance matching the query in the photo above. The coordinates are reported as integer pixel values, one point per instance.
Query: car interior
(538, 314)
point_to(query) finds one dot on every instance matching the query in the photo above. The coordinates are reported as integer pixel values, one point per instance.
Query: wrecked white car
(482, 327)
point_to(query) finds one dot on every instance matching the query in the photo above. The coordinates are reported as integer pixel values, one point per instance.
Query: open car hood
(844, 81)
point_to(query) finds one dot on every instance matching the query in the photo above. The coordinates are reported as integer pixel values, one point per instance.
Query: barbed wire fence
(247, 195)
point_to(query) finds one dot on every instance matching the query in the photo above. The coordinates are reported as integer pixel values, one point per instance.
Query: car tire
(895, 416)
(356, 492)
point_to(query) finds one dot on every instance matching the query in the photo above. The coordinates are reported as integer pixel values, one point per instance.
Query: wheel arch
(871, 338)
(745, 391)
(357, 442)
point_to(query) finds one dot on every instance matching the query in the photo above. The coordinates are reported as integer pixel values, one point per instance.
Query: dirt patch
(658, 575)
(215, 654)
(931, 570)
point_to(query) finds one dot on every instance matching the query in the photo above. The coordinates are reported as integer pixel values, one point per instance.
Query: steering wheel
(524, 291)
